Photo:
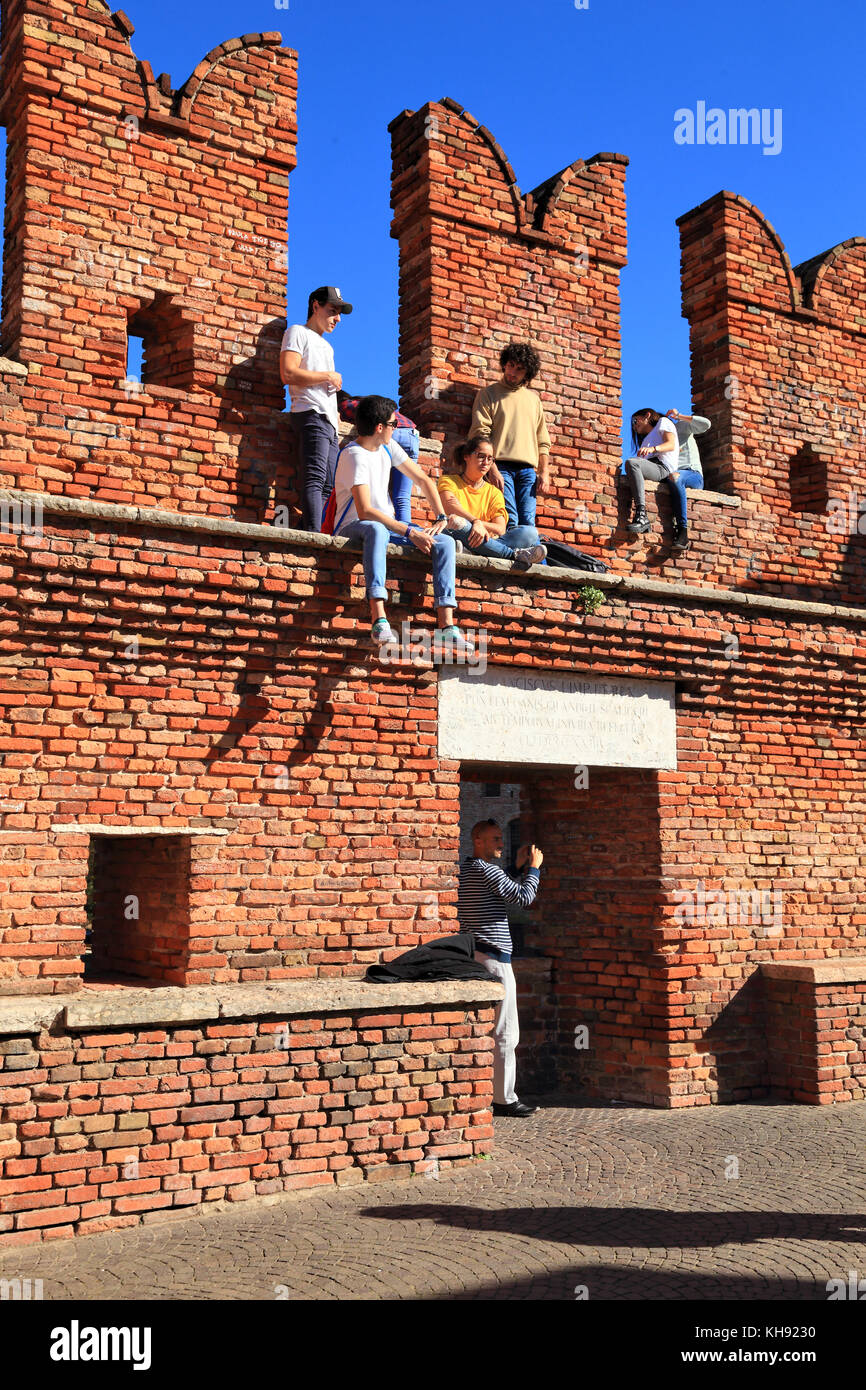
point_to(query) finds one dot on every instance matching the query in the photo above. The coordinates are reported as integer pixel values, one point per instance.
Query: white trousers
(506, 1032)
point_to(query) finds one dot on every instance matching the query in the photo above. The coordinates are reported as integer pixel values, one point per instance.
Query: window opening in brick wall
(167, 346)
(134, 359)
(807, 477)
(138, 908)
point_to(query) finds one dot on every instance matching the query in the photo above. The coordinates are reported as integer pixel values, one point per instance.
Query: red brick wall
(480, 264)
(841, 1036)
(538, 1002)
(125, 198)
(254, 707)
(596, 913)
(792, 1041)
(773, 802)
(252, 704)
(779, 364)
(817, 1040)
(101, 1128)
(664, 893)
(340, 840)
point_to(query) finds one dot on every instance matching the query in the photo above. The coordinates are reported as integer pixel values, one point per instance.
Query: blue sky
(553, 83)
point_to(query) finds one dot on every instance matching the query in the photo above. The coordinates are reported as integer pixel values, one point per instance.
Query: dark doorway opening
(138, 907)
(591, 994)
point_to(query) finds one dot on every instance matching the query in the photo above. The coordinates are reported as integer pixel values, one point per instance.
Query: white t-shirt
(657, 435)
(356, 466)
(316, 356)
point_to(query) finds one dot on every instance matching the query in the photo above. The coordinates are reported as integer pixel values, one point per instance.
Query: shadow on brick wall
(738, 1039)
(252, 409)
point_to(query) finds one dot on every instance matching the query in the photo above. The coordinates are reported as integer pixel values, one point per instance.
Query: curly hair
(525, 356)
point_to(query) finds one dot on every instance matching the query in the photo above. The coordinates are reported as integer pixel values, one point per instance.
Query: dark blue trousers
(319, 459)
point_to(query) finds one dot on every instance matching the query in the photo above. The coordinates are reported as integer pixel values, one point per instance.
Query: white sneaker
(452, 642)
(529, 555)
(383, 633)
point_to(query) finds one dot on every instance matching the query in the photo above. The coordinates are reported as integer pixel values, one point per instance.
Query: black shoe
(641, 522)
(516, 1108)
(681, 537)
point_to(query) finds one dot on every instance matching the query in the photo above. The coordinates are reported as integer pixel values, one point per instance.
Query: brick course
(109, 1126)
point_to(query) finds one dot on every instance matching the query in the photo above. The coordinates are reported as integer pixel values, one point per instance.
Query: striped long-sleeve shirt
(484, 893)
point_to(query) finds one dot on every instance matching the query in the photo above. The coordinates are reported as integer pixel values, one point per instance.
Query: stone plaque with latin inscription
(508, 716)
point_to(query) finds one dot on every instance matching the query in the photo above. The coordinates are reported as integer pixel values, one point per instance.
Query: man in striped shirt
(485, 892)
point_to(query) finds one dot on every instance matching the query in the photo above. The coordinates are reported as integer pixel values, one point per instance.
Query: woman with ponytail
(476, 512)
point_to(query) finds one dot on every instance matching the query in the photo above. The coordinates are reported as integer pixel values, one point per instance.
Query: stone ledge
(551, 576)
(10, 368)
(848, 970)
(21, 1015)
(286, 999)
(700, 494)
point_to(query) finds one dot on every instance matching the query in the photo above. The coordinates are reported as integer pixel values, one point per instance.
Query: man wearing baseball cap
(307, 368)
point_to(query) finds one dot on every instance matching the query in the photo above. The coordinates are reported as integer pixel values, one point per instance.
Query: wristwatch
(440, 517)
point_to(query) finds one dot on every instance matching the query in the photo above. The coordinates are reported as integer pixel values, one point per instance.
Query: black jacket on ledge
(447, 958)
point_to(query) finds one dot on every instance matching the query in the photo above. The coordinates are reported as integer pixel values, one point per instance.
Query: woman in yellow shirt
(476, 510)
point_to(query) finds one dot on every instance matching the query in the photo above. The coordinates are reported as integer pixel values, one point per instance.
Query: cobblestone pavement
(628, 1203)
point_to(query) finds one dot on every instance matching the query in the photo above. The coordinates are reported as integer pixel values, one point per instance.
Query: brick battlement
(778, 359)
(481, 263)
(133, 208)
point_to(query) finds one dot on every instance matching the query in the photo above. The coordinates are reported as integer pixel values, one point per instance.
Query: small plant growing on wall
(591, 598)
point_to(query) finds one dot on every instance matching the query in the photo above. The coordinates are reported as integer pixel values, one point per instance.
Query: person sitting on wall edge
(362, 510)
(407, 436)
(656, 451)
(476, 511)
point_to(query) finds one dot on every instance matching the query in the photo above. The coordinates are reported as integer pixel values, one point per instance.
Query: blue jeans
(519, 491)
(500, 547)
(408, 440)
(376, 538)
(688, 477)
(401, 486)
(319, 448)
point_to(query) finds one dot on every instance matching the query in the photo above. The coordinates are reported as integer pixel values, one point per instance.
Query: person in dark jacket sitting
(485, 892)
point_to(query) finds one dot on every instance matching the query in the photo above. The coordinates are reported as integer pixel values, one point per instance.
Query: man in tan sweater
(512, 418)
